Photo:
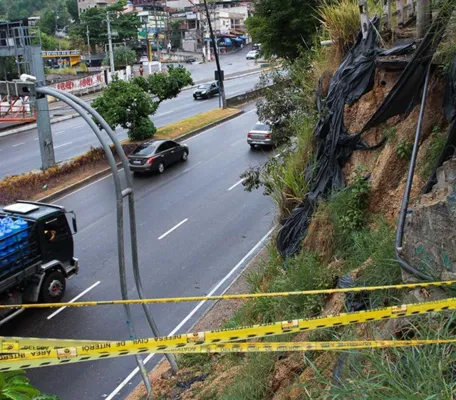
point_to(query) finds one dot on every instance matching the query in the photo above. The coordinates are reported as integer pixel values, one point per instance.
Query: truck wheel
(53, 287)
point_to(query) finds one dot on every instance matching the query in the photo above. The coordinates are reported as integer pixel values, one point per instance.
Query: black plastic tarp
(354, 78)
(406, 93)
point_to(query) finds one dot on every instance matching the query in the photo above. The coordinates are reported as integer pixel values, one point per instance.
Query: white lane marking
(78, 126)
(19, 144)
(62, 145)
(165, 113)
(191, 168)
(219, 125)
(36, 139)
(236, 184)
(173, 229)
(58, 132)
(193, 312)
(239, 141)
(186, 140)
(73, 300)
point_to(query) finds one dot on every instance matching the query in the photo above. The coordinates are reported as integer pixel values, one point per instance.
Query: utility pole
(157, 41)
(217, 60)
(35, 60)
(111, 53)
(88, 46)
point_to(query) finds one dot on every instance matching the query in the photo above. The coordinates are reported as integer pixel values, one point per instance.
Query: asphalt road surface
(20, 152)
(218, 228)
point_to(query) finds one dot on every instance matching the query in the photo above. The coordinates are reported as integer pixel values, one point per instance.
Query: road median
(73, 174)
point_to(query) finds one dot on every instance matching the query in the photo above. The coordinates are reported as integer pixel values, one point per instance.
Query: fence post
(411, 8)
(387, 14)
(400, 12)
(423, 17)
(364, 12)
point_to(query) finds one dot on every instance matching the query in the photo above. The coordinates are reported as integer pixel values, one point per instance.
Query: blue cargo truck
(36, 254)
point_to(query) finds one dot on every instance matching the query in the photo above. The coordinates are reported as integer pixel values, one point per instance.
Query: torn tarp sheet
(354, 78)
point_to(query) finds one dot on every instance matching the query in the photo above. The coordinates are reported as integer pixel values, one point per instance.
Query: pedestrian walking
(141, 70)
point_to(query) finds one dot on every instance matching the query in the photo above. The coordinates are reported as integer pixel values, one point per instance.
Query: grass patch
(191, 124)
(403, 373)
(303, 272)
(341, 20)
(252, 381)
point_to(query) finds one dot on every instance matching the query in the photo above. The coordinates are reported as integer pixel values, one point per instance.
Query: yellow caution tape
(229, 297)
(46, 358)
(13, 353)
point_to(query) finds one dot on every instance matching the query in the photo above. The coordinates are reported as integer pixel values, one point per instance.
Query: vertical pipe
(408, 186)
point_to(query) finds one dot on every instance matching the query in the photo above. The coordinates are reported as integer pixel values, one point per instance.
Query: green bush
(404, 149)
(348, 208)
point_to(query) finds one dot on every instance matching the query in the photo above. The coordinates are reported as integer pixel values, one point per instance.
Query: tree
(49, 42)
(123, 56)
(72, 7)
(129, 104)
(126, 25)
(284, 26)
(14, 386)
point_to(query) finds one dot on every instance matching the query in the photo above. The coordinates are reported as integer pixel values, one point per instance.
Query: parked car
(144, 59)
(260, 135)
(206, 90)
(157, 155)
(252, 55)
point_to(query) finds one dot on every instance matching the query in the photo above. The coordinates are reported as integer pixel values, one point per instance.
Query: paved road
(223, 224)
(20, 153)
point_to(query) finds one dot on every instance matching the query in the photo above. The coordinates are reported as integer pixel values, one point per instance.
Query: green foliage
(129, 104)
(49, 42)
(348, 207)
(283, 27)
(436, 147)
(15, 386)
(252, 381)
(8, 68)
(404, 149)
(72, 7)
(414, 373)
(303, 272)
(390, 133)
(123, 56)
(126, 25)
(341, 20)
(126, 104)
(284, 178)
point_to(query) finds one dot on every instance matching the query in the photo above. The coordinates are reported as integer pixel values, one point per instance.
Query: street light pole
(88, 46)
(217, 60)
(111, 53)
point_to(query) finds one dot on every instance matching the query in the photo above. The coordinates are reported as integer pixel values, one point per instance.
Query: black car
(206, 90)
(157, 155)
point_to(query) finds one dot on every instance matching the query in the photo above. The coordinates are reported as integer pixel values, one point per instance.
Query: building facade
(83, 5)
